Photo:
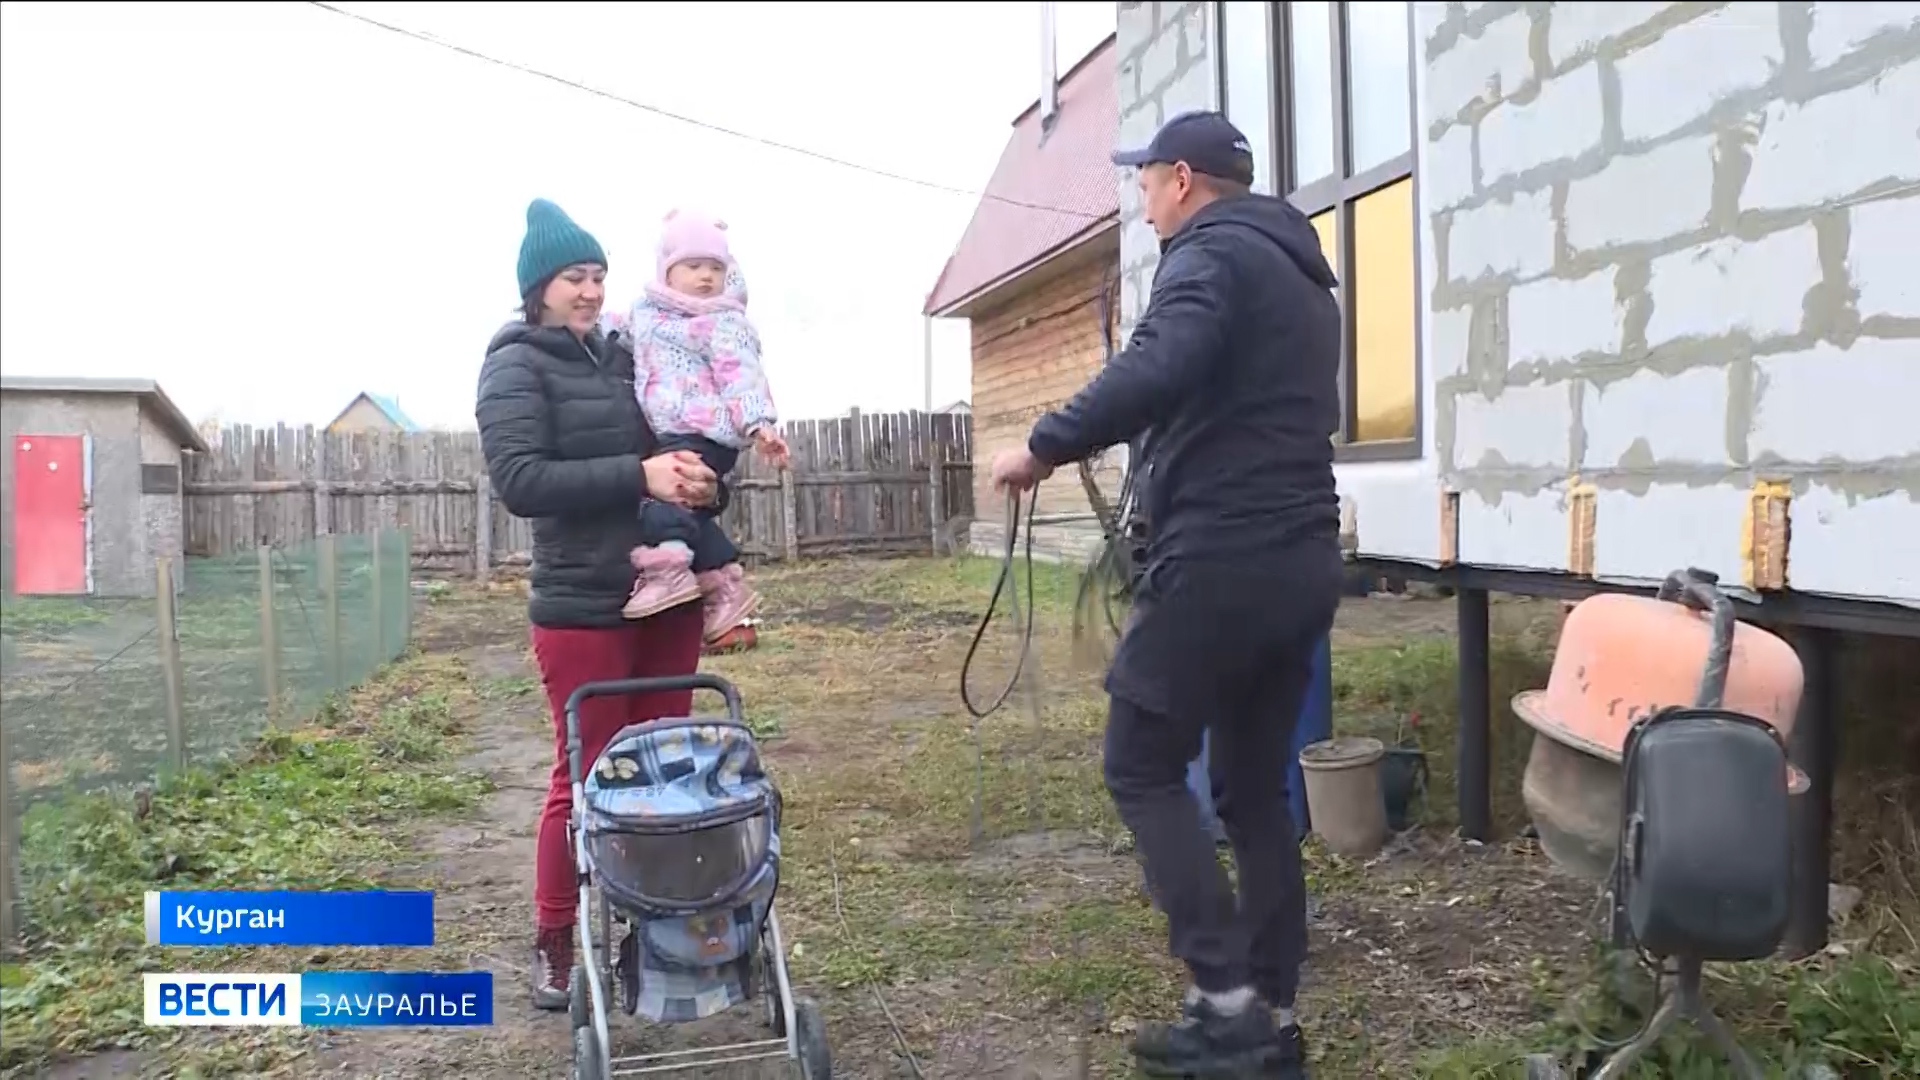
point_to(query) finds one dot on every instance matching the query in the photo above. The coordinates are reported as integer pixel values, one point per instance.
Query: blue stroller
(676, 836)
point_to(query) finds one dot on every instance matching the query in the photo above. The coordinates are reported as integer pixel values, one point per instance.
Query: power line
(426, 38)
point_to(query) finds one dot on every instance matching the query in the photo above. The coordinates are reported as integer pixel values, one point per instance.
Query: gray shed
(90, 485)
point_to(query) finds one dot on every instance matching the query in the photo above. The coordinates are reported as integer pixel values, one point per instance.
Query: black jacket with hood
(564, 439)
(1234, 369)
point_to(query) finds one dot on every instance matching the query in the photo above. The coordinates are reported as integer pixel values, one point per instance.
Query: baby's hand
(771, 446)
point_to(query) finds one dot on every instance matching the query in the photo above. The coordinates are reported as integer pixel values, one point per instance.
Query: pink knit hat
(685, 235)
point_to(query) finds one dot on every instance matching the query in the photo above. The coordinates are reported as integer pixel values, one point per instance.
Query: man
(1231, 372)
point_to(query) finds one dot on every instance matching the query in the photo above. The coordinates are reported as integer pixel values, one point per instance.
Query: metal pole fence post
(406, 587)
(376, 610)
(9, 847)
(330, 594)
(269, 640)
(169, 630)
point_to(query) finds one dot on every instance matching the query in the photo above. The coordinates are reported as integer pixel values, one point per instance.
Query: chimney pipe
(1049, 67)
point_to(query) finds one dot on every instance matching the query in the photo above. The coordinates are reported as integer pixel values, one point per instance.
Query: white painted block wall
(1670, 254)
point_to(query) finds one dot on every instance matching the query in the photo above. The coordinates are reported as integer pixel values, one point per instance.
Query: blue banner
(320, 999)
(290, 918)
(396, 998)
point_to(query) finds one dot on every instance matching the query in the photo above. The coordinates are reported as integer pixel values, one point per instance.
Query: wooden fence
(860, 483)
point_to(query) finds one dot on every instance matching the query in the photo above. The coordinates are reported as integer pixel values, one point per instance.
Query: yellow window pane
(1323, 224)
(1385, 385)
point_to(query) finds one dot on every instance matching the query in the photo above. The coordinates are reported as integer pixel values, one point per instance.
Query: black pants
(1227, 651)
(664, 522)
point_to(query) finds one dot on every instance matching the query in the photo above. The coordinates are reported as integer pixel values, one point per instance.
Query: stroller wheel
(586, 1055)
(579, 1009)
(770, 992)
(816, 1061)
(627, 971)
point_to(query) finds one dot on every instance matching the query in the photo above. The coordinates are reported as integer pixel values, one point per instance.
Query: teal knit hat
(553, 243)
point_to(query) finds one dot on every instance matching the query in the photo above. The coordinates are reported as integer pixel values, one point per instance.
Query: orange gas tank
(1625, 657)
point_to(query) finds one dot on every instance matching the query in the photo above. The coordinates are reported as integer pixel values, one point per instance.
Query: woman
(566, 447)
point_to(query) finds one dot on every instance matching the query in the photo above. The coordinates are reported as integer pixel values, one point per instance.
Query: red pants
(665, 644)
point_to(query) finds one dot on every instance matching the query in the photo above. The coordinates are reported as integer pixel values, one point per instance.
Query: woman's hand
(680, 478)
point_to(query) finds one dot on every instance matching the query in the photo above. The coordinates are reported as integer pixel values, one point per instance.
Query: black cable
(1007, 556)
(668, 114)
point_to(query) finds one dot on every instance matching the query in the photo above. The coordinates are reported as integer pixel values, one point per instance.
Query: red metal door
(49, 514)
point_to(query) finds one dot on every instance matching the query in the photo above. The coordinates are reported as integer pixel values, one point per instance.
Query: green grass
(1411, 691)
(45, 618)
(1858, 1014)
(319, 808)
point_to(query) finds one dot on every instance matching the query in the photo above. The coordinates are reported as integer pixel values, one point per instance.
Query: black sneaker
(1209, 1043)
(1291, 1064)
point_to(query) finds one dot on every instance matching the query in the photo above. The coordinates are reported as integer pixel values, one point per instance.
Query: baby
(697, 375)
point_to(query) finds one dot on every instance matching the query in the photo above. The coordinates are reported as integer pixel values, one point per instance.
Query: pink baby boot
(665, 581)
(728, 599)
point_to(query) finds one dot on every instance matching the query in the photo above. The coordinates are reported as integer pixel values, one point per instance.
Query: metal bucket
(1343, 794)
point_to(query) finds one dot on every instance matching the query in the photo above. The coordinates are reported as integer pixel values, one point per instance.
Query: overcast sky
(269, 207)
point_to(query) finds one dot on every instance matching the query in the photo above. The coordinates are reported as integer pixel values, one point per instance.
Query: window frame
(1340, 192)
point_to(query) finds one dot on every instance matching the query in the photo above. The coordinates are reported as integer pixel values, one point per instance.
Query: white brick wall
(1671, 526)
(1727, 285)
(1527, 531)
(1836, 145)
(1511, 236)
(1831, 528)
(1643, 197)
(1486, 67)
(1446, 169)
(1883, 258)
(1683, 418)
(1580, 27)
(1133, 22)
(1554, 319)
(1129, 185)
(1695, 65)
(1192, 89)
(1839, 28)
(1526, 426)
(1138, 127)
(1159, 62)
(1564, 121)
(1137, 235)
(1448, 334)
(1831, 403)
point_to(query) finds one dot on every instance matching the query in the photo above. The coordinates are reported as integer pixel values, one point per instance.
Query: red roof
(1044, 193)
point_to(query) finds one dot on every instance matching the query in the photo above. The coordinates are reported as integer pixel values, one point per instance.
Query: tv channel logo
(226, 999)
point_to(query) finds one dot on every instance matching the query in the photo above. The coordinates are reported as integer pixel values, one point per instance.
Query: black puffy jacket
(564, 439)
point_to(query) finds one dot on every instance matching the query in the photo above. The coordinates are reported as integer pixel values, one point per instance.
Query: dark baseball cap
(1205, 140)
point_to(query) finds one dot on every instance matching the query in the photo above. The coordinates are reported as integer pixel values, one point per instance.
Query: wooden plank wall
(858, 483)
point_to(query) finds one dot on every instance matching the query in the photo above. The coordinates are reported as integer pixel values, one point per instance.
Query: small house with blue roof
(372, 412)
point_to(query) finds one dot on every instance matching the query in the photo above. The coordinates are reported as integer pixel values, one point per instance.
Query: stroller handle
(1699, 589)
(699, 680)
